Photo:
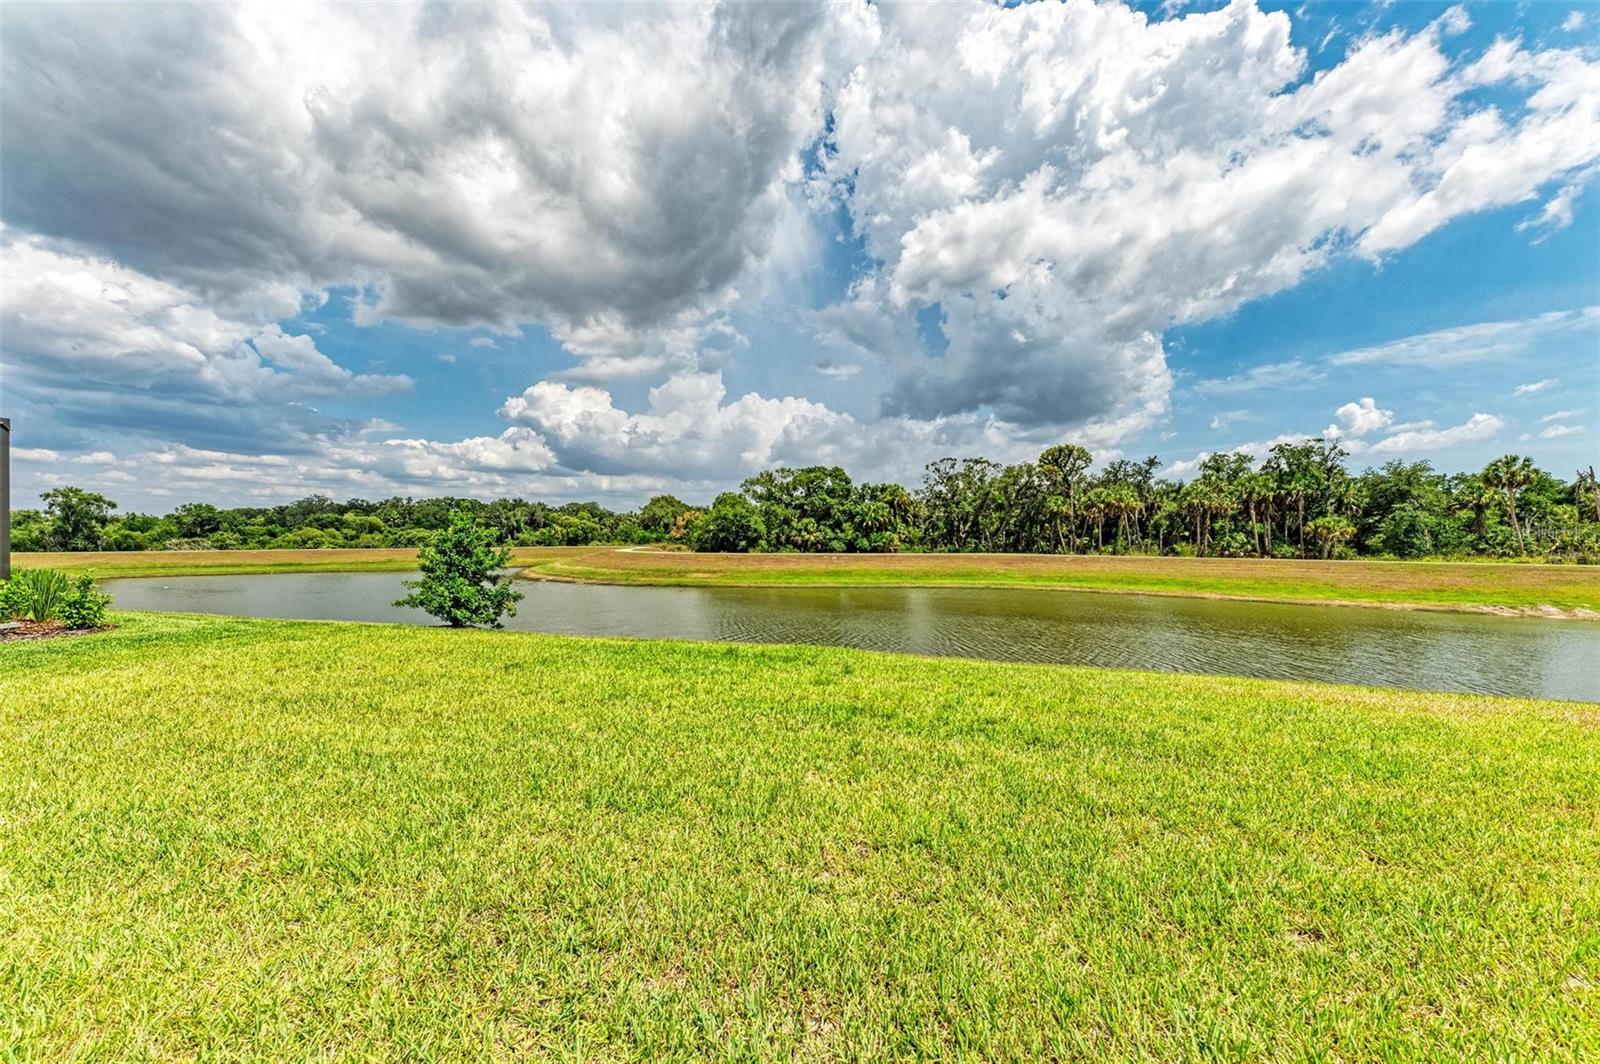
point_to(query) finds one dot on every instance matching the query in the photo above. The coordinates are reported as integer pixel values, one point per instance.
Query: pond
(1389, 648)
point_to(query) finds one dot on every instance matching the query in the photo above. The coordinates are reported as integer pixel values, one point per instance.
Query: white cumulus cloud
(604, 171)
(687, 428)
(103, 346)
(1066, 181)
(1427, 437)
(1360, 418)
(691, 429)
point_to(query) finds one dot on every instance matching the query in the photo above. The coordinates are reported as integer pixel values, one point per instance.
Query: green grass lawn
(296, 840)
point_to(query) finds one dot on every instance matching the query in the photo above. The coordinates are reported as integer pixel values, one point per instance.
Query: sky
(250, 252)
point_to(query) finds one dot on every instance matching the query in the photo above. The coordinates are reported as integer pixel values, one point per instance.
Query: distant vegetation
(1301, 502)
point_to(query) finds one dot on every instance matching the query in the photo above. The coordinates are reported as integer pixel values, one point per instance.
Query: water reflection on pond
(1394, 648)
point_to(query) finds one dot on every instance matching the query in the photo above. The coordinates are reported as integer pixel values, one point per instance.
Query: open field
(292, 840)
(235, 562)
(1566, 589)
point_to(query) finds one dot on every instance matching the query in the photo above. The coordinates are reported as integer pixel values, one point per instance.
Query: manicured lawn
(1440, 585)
(296, 840)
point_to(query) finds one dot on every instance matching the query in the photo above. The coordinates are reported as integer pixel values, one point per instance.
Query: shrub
(51, 595)
(84, 605)
(13, 602)
(307, 538)
(118, 537)
(461, 581)
(37, 593)
(1580, 545)
(1233, 544)
(418, 537)
(1406, 533)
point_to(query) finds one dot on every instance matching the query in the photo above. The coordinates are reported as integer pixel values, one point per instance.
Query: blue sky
(549, 262)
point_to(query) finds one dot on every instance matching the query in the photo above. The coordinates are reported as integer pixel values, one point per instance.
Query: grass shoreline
(291, 839)
(1548, 612)
(112, 565)
(1505, 589)
(1565, 592)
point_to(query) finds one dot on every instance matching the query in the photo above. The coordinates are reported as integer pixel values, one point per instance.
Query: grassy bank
(1561, 590)
(295, 840)
(1567, 589)
(239, 562)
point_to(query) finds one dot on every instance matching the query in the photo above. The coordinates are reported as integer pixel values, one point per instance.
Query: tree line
(1301, 501)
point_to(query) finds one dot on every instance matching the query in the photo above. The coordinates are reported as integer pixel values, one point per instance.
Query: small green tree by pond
(462, 581)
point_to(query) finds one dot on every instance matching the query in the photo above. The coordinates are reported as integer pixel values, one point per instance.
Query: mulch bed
(18, 631)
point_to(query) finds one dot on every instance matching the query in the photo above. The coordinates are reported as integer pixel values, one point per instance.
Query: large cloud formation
(1066, 181)
(1056, 183)
(472, 163)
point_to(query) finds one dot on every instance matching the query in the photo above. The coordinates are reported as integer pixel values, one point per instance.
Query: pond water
(1390, 648)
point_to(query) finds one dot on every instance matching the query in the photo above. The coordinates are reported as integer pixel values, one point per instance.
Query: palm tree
(1123, 501)
(1221, 499)
(1192, 500)
(1057, 510)
(1064, 465)
(898, 503)
(1205, 500)
(1330, 530)
(1167, 514)
(1095, 508)
(1472, 495)
(1255, 489)
(1587, 485)
(1510, 474)
(1292, 467)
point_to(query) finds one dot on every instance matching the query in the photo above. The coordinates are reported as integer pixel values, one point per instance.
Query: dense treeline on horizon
(1300, 502)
